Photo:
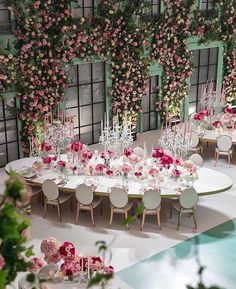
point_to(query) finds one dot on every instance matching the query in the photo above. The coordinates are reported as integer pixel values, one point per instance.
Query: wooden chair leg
(126, 216)
(59, 211)
(92, 216)
(158, 219)
(101, 211)
(111, 216)
(71, 203)
(170, 209)
(217, 158)
(45, 207)
(143, 219)
(77, 213)
(194, 219)
(229, 160)
(179, 220)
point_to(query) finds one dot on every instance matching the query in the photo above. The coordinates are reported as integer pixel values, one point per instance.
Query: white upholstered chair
(196, 159)
(186, 204)
(224, 147)
(86, 201)
(152, 205)
(196, 146)
(138, 151)
(53, 197)
(119, 203)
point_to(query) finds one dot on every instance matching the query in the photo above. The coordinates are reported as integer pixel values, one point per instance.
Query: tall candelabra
(177, 141)
(212, 100)
(116, 137)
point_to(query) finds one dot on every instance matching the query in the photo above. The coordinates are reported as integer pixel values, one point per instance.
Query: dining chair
(119, 203)
(53, 197)
(223, 147)
(86, 201)
(138, 151)
(196, 159)
(196, 145)
(186, 204)
(152, 205)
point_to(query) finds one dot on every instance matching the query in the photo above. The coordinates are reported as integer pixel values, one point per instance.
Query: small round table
(209, 181)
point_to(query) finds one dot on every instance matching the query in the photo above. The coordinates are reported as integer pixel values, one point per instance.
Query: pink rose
(99, 168)
(53, 259)
(157, 153)
(128, 152)
(76, 146)
(47, 160)
(67, 251)
(109, 172)
(229, 110)
(109, 269)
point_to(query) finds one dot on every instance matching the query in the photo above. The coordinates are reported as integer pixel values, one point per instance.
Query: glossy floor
(133, 246)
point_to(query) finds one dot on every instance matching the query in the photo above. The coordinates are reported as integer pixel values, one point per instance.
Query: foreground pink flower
(67, 251)
(2, 262)
(157, 153)
(36, 264)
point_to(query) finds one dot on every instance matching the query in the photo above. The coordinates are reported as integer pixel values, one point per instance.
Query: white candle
(88, 269)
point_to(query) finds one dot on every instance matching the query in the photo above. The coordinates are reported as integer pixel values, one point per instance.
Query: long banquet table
(209, 181)
(210, 136)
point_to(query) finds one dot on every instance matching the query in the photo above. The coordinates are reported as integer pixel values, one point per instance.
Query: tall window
(84, 8)
(205, 70)
(156, 8)
(86, 100)
(208, 7)
(149, 105)
(5, 22)
(9, 147)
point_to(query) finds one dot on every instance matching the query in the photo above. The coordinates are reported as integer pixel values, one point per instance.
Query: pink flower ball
(50, 246)
(67, 251)
(53, 259)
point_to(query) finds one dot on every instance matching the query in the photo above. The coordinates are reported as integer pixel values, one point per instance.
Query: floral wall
(48, 37)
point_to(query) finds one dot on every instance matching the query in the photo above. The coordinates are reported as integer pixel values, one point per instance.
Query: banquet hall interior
(117, 144)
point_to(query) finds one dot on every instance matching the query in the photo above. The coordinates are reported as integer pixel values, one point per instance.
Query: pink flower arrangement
(229, 110)
(125, 169)
(71, 268)
(157, 153)
(134, 159)
(86, 156)
(109, 269)
(99, 168)
(109, 172)
(47, 160)
(73, 168)
(216, 124)
(175, 173)
(67, 251)
(36, 264)
(96, 263)
(128, 152)
(166, 161)
(46, 147)
(201, 114)
(61, 164)
(53, 259)
(153, 172)
(138, 174)
(50, 246)
(76, 146)
(107, 154)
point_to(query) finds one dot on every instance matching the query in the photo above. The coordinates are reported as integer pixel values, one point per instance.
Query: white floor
(131, 246)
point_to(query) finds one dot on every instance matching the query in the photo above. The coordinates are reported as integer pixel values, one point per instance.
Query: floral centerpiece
(46, 147)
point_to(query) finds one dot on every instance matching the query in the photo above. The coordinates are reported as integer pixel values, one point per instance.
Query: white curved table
(209, 181)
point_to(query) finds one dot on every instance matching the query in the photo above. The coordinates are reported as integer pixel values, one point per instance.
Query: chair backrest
(118, 197)
(138, 151)
(85, 148)
(151, 199)
(196, 159)
(224, 143)
(194, 139)
(84, 194)
(50, 190)
(188, 198)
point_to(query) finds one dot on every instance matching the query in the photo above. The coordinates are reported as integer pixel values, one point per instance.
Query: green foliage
(100, 279)
(138, 213)
(13, 232)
